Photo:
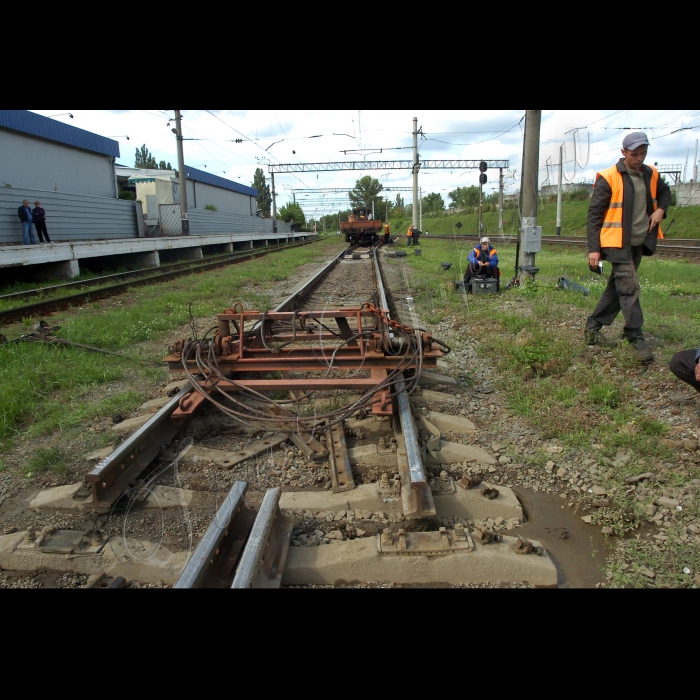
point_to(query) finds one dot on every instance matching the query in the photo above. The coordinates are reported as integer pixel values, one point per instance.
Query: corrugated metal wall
(223, 200)
(27, 161)
(203, 222)
(69, 217)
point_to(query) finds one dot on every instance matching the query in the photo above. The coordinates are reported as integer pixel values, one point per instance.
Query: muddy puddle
(578, 550)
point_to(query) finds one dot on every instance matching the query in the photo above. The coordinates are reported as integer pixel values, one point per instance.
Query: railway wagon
(361, 228)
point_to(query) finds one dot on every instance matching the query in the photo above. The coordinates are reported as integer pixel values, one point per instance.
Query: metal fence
(170, 220)
(204, 222)
(69, 217)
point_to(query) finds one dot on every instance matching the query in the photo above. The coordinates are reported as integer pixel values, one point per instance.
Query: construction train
(361, 228)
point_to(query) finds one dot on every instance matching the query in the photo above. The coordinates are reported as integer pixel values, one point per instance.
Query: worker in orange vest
(628, 203)
(409, 235)
(387, 232)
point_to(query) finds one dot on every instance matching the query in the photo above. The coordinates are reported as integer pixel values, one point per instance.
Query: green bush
(127, 195)
(210, 207)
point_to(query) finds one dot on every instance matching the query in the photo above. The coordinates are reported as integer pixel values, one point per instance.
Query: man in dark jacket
(39, 216)
(482, 261)
(686, 366)
(25, 216)
(628, 203)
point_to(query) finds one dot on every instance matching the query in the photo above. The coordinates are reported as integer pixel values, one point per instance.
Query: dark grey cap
(635, 139)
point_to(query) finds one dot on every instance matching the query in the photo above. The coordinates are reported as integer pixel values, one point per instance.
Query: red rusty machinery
(330, 347)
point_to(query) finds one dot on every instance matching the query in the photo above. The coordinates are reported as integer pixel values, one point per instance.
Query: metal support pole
(373, 209)
(695, 163)
(561, 172)
(420, 208)
(415, 172)
(274, 203)
(528, 185)
(182, 175)
(500, 201)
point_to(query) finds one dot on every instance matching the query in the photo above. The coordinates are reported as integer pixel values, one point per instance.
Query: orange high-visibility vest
(386, 229)
(611, 232)
(410, 231)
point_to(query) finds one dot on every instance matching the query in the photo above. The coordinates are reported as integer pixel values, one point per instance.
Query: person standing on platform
(39, 216)
(25, 216)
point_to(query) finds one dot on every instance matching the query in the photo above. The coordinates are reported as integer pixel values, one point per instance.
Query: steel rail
(228, 528)
(265, 553)
(421, 502)
(20, 312)
(117, 472)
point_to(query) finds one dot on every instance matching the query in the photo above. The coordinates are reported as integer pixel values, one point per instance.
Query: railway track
(396, 449)
(120, 282)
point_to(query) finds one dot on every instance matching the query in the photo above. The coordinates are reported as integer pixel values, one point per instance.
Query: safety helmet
(485, 240)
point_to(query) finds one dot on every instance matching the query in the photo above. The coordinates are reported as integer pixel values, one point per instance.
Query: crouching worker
(483, 261)
(685, 365)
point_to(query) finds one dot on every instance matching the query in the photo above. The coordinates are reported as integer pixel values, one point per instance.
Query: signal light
(483, 179)
(483, 166)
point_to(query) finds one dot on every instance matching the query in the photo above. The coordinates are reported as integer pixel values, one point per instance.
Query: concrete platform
(63, 259)
(358, 560)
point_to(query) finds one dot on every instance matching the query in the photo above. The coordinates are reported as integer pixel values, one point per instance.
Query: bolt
(97, 538)
(30, 535)
(386, 537)
(443, 475)
(459, 533)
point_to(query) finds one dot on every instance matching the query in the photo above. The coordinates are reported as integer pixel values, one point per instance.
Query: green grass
(686, 225)
(52, 459)
(47, 388)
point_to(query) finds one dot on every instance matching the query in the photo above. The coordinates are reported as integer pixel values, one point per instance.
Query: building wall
(200, 194)
(687, 193)
(69, 217)
(33, 163)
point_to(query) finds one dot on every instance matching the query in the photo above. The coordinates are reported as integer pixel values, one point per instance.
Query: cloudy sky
(297, 136)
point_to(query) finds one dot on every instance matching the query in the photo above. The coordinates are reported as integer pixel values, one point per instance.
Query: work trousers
(621, 293)
(410, 240)
(683, 366)
(473, 269)
(28, 233)
(41, 231)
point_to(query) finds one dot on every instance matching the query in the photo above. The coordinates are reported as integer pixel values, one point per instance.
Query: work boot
(641, 351)
(597, 338)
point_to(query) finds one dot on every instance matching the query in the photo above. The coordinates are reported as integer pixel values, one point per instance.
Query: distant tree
(365, 192)
(264, 194)
(144, 158)
(464, 197)
(399, 202)
(433, 203)
(290, 211)
(164, 166)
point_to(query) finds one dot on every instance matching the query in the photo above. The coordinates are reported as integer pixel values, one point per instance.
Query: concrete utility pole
(561, 173)
(373, 209)
(274, 203)
(531, 236)
(500, 201)
(695, 162)
(420, 208)
(182, 175)
(415, 172)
